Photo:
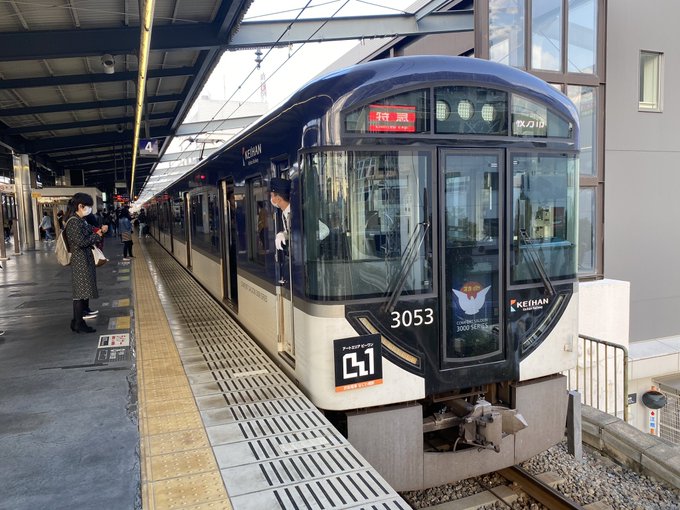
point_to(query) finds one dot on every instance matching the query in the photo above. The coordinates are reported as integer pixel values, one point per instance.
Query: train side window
(259, 223)
(205, 220)
(178, 220)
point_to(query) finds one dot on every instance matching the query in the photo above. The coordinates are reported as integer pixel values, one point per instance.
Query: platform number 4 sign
(358, 362)
(148, 148)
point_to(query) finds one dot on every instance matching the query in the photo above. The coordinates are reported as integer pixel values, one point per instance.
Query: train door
(228, 235)
(284, 287)
(474, 341)
(188, 221)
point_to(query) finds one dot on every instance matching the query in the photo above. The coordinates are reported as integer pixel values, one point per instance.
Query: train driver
(279, 195)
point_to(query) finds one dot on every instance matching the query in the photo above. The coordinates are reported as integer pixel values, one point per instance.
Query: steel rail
(538, 490)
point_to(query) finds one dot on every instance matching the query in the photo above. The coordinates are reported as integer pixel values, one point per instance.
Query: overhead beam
(74, 154)
(82, 124)
(48, 44)
(96, 168)
(268, 33)
(98, 139)
(77, 79)
(95, 156)
(89, 105)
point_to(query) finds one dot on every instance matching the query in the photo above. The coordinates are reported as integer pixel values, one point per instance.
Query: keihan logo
(528, 304)
(471, 297)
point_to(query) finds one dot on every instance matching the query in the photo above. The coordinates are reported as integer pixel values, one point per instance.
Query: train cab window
(536, 120)
(366, 223)
(544, 215)
(470, 110)
(205, 218)
(403, 113)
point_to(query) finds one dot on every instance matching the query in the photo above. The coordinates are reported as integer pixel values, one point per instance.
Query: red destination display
(391, 119)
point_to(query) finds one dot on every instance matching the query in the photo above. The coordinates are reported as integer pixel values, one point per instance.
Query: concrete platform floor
(68, 432)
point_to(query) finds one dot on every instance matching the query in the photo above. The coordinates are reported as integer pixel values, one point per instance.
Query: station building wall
(642, 167)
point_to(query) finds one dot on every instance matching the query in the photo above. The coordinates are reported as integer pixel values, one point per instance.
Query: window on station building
(585, 99)
(546, 35)
(586, 231)
(650, 81)
(582, 36)
(506, 32)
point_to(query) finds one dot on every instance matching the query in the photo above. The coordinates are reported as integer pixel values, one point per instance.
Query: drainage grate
(274, 449)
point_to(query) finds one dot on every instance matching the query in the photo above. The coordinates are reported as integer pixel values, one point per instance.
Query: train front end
(442, 214)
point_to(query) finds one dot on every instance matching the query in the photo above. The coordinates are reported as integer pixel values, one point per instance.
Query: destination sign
(391, 119)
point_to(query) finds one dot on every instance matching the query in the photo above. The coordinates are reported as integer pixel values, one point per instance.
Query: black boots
(78, 325)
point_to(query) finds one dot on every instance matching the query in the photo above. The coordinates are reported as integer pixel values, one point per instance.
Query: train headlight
(465, 109)
(442, 110)
(488, 112)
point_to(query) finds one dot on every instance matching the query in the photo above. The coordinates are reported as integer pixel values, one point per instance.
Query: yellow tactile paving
(178, 467)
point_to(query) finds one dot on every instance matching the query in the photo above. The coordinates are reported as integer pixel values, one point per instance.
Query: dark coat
(80, 239)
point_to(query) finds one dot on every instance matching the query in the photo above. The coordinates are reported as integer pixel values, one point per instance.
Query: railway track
(539, 490)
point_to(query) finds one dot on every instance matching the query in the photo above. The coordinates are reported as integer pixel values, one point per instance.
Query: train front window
(366, 222)
(544, 204)
(471, 259)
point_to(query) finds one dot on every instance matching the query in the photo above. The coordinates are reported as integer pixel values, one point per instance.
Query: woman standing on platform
(80, 239)
(125, 231)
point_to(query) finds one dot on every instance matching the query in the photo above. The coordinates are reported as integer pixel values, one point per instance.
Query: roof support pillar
(22, 183)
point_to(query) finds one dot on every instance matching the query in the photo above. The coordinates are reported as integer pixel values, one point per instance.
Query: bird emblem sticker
(471, 297)
(470, 300)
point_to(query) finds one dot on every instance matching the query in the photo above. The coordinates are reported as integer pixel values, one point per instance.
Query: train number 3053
(417, 317)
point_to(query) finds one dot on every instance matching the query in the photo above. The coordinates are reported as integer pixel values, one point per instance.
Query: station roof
(69, 70)
(59, 103)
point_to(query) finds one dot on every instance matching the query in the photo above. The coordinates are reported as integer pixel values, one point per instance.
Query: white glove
(281, 240)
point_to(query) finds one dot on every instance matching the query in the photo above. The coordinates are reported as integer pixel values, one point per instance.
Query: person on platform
(80, 239)
(142, 223)
(125, 231)
(60, 220)
(47, 227)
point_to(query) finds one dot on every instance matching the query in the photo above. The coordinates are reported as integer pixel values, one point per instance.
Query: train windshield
(366, 218)
(544, 208)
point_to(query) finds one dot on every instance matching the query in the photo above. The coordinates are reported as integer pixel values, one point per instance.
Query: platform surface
(168, 405)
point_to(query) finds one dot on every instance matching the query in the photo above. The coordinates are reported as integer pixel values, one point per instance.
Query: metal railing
(601, 386)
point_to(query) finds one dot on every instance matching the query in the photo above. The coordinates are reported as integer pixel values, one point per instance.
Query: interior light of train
(391, 118)
(465, 109)
(442, 110)
(488, 112)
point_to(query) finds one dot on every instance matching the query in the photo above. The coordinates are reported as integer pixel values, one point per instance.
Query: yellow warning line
(178, 466)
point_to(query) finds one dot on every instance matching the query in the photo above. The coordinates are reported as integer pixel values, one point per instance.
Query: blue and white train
(427, 297)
